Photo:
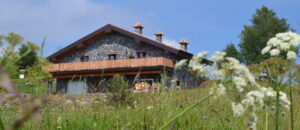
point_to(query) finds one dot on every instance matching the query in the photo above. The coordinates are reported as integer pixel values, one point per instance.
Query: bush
(119, 92)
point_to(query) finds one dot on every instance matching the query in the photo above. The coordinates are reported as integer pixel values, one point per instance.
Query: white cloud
(60, 21)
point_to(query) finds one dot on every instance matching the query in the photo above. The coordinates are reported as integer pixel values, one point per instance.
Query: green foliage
(265, 25)
(273, 69)
(1, 42)
(14, 39)
(120, 94)
(26, 58)
(231, 51)
(36, 74)
(131, 56)
(9, 56)
(31, 58)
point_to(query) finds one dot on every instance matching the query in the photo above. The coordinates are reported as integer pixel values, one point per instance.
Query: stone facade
(124, 46)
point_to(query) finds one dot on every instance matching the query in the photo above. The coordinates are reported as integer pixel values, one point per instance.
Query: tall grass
(151, 112)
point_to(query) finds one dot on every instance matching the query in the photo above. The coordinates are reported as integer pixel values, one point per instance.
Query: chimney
(159, 35)
(138, 28)
(183, 44)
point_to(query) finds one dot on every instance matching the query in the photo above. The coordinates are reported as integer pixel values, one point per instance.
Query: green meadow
(148, 111)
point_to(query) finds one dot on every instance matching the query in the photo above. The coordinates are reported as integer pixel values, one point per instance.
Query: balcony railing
(110, 64)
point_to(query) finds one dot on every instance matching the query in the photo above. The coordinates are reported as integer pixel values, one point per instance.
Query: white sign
(21, 76)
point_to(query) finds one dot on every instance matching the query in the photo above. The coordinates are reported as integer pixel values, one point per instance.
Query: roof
(110, 28)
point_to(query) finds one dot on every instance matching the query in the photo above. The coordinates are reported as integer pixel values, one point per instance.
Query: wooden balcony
(111, 64)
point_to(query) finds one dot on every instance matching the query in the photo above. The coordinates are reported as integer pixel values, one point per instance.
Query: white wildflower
(274, 52)
(249, 75)
(291, 55)
(280, 35)
(239, 88)
(68, 102)
(181, 64)
(239, 81)
(269, 92)
(198, 68)
(219, 73)
(273, 42)
(284, 100)
(202, 54)
(195, 62)
(150, 107)
(198, 58)
(252, 123)
(219, 56)
(238, 109)
(233, 61)
(284, 46)
(220, 90)
(59, 123)
(266, 50)
(254, 97)
(295, 42)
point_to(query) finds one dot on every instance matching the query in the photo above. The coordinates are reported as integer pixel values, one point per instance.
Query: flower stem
(185, 111)
(1, 125)
(291, 108)
(277, 110)
(266, 118)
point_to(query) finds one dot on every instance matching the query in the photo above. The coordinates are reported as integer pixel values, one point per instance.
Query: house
(87, 64)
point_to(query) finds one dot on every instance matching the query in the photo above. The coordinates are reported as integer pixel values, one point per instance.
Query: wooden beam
(80, 46)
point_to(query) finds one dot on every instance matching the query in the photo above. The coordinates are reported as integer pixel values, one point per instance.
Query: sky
(209, 25)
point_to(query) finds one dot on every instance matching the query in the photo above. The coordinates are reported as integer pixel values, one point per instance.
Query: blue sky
(207, 24)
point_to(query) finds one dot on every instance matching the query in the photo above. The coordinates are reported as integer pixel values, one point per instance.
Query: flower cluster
(283, 42)
(249, 96)
(219, 56)
(239, 77)
(59, 123)
(194, 64)
(264, 98)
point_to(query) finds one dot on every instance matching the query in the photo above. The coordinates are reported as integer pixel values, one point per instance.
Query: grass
(151, 111)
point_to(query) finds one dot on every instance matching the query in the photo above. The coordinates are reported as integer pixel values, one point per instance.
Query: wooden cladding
(107, 64)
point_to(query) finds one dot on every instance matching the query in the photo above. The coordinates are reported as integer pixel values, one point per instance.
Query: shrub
(119, 92)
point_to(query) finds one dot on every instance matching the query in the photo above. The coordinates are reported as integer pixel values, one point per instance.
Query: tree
(265, 25)
(231, 51)
(31, 57)
(8, 54)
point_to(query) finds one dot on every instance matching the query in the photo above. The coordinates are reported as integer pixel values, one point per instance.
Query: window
(112, 56)
(84, 58)
(177, 83)
(141, 54)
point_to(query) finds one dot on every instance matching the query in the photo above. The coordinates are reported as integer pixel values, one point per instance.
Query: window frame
(84, 58)
(112, 54)
(141, 54)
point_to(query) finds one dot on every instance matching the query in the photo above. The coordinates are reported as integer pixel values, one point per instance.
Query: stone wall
(124, 46)
(114, 42)
(187, 79)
